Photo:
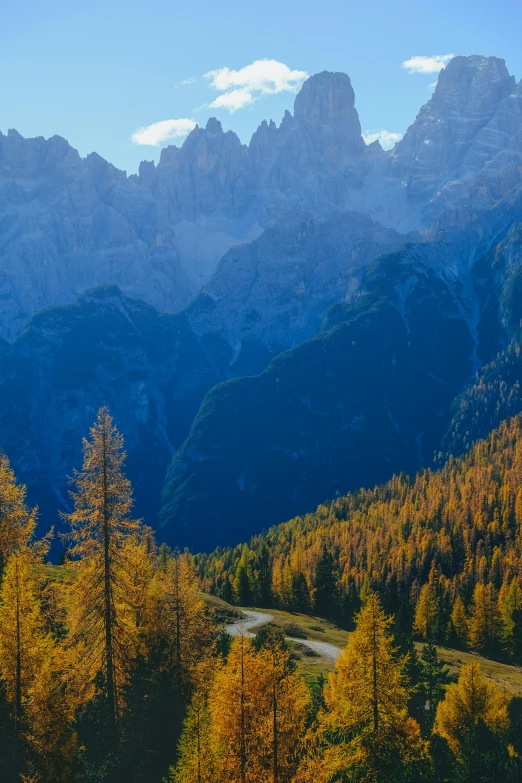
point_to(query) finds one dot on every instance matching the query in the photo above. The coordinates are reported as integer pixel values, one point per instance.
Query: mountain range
(280, 322)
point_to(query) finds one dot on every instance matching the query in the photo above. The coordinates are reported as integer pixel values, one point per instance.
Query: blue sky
(96, 72)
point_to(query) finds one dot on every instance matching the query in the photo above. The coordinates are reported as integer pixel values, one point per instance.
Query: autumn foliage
(112, 669)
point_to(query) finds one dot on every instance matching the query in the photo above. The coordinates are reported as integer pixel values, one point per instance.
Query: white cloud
(422, 64)
(432, 85)
(262, 77)
(154, 134)
(190, 80)
(388, 139)
(233, 100)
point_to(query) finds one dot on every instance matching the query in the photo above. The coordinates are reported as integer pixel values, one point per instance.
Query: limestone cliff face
(274, 292)
(68, 223)
(467, 133)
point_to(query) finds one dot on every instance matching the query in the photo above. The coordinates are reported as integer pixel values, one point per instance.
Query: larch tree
(177, 626)
(485, 622)
(239, 703)
(470, 704)
(101, 599)
(29, 668)
(426, 613)
(365, 731)
(460, 621)
(24, 643)
(286, 713)
(17, 521)
(196, 754)
(509, 601)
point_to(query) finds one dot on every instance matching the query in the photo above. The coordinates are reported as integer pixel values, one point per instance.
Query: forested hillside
(495, 394)
(443, 550)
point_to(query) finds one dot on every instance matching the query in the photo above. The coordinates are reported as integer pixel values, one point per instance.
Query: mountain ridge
(78, 223)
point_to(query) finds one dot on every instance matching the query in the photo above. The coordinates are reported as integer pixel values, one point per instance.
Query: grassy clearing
(311, 665)
(503, 674)
(302, 626)
(221, 612)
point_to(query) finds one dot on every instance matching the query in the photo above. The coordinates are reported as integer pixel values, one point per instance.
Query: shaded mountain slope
(370, 395)
(149, 368)
(364, 398)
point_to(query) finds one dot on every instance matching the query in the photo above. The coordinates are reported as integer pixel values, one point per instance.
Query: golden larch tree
(485, 623)
(509, 602)
(101, 601)
(196, 753)
(472, 699)
(365, 731)
(459, 620)
(17, 521)
(29, 668)
(284, 724)
(177, 623)
(426, 612)
(24, 643)
(238, 704)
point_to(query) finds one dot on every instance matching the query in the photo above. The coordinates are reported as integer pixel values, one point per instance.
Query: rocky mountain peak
(476, 82)
(325, 109)
(30, 158)
(450, 139)
(213, 126)
(326, 97)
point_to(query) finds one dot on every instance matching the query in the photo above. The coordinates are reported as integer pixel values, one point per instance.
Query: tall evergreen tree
(325, 585)
(243, 589)
(264, 576)
(103, 634)
(299, 593)
(510, 601)
(434, 678)
(516, 635)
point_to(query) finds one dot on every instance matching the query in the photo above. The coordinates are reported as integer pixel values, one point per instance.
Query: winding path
(255, 619)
